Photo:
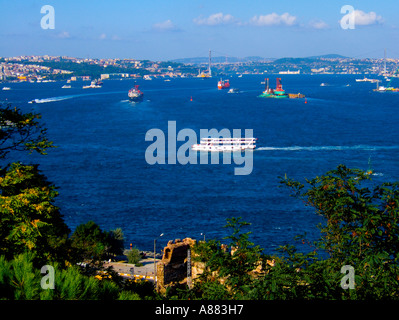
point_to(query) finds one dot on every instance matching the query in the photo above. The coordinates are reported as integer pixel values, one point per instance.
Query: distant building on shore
(83, 78)
(114, 75)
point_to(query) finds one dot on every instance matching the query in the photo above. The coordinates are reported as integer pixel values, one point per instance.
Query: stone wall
(172, 268)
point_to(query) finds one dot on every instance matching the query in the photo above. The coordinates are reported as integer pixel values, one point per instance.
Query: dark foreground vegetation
(356, 256)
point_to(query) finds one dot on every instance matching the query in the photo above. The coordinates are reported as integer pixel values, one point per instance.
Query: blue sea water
(101, 173)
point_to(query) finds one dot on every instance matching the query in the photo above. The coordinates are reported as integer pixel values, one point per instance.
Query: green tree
(360, 228)
(29, 219)
(89, 241)
(20, 279)
(21, 132)
(227, 268)
(134, 256)
(116, 241)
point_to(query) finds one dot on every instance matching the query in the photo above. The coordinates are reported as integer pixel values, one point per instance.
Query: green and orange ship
(279, 92)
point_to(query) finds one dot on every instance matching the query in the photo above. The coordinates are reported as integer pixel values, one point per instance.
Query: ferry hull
(136, 99)
(225, 144)
(220, 148)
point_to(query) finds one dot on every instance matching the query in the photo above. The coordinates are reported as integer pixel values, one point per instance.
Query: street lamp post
(155, 264)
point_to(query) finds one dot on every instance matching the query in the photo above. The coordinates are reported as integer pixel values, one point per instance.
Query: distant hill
(220, 59)
(329, 56)
(308, 59)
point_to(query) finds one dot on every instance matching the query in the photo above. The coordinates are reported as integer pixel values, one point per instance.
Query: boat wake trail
(52, 99)
(328, 148)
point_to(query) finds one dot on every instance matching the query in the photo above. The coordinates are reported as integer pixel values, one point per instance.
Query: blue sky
(170, 29)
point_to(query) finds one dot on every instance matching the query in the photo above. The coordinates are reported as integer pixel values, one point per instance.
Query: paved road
(130, 270)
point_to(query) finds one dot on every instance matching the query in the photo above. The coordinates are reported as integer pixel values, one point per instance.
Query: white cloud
(63, 35)
(364, 19)
(103, 36)
(318, 24)
(273, 19)
(215, 19)
(167, 25)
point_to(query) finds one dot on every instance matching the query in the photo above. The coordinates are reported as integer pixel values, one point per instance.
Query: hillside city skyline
(46, 68)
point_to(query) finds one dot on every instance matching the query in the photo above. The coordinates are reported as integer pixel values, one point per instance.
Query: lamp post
(155, 264)
(203, 234)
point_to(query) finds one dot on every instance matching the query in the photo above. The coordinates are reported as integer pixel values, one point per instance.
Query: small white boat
(367, 80)
(225, 144)
(6, 88)
(66, 86)
(92, 85)
(234, 90)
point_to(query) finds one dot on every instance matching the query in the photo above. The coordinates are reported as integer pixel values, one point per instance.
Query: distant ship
(135, 94)
(367, 80)
(279, 92)
(234, 90)
(225, 144)
(388, 88)
(93, 85)
(223, 84)
(274, 93)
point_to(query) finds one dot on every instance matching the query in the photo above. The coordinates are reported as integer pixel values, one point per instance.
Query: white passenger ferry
(225, 144)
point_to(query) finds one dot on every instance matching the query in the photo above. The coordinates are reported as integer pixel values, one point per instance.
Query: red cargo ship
(223, 84)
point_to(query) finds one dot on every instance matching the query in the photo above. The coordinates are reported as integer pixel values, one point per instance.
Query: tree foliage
(21, 132)
(228, 267)
(21, 280)
(29, 219)
(361, 226)
(89, 241)
(116, 241)
(92, 243)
